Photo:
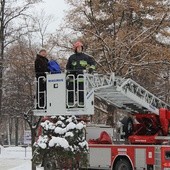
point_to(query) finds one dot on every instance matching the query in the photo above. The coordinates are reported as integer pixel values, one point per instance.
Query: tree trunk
(1, 48)
(1, 76)
(33, 166)
(33, 134)
(16, 131)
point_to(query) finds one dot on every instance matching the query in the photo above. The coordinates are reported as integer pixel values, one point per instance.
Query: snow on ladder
(137, 93)
(124, 93)
(97, 81)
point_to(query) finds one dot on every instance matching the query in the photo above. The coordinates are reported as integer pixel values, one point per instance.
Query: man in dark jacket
(41, 63)
(78, 62)
(41, 67)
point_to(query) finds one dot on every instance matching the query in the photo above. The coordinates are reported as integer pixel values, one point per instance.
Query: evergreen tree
(62, 141)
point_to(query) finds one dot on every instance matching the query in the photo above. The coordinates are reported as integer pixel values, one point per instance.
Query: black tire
(49, 165)
(122, 164)
(127, 126)
(149, 167)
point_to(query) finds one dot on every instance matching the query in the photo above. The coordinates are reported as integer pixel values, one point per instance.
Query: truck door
(100, 158)
(140, 158)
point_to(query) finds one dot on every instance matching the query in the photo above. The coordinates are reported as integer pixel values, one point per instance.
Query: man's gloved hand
(44, 80)
(90, 70)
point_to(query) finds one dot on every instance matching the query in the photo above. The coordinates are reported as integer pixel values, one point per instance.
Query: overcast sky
(56, 8)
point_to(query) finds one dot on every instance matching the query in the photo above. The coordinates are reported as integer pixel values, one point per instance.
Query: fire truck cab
(146, 148)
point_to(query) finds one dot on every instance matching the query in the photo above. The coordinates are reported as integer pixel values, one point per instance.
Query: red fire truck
(146, 143)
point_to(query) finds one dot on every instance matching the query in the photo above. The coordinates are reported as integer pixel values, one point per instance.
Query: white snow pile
(58, 141)
(42, 141)
(47, 125)
(69, 134)
(83, 144)
(80, 126)
(59, 130)
(70, 126)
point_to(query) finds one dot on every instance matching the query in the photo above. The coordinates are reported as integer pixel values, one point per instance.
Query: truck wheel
(149, 167)
(49, 165)
(123, 164)
(127, 126)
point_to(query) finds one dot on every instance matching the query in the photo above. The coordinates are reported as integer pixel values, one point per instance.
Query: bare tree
(11, 26)
(18, 85)
(42, 22)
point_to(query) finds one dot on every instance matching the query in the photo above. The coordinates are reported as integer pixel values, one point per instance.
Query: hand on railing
(90, 70)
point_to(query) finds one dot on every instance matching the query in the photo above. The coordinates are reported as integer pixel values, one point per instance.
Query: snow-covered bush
(63, 140)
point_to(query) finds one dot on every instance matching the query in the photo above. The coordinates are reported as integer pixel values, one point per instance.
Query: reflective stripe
(74, 63)
(80, 80)
(93, 67)
(83, 63)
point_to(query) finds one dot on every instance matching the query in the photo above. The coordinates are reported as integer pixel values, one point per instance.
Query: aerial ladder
(151, 112)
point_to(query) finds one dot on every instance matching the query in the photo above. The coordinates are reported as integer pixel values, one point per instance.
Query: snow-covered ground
(15, 158)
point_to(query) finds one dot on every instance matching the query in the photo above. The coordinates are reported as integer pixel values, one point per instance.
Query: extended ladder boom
(124, 93)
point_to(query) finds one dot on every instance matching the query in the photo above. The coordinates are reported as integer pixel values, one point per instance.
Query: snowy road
(15, 158)
(13, 164)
